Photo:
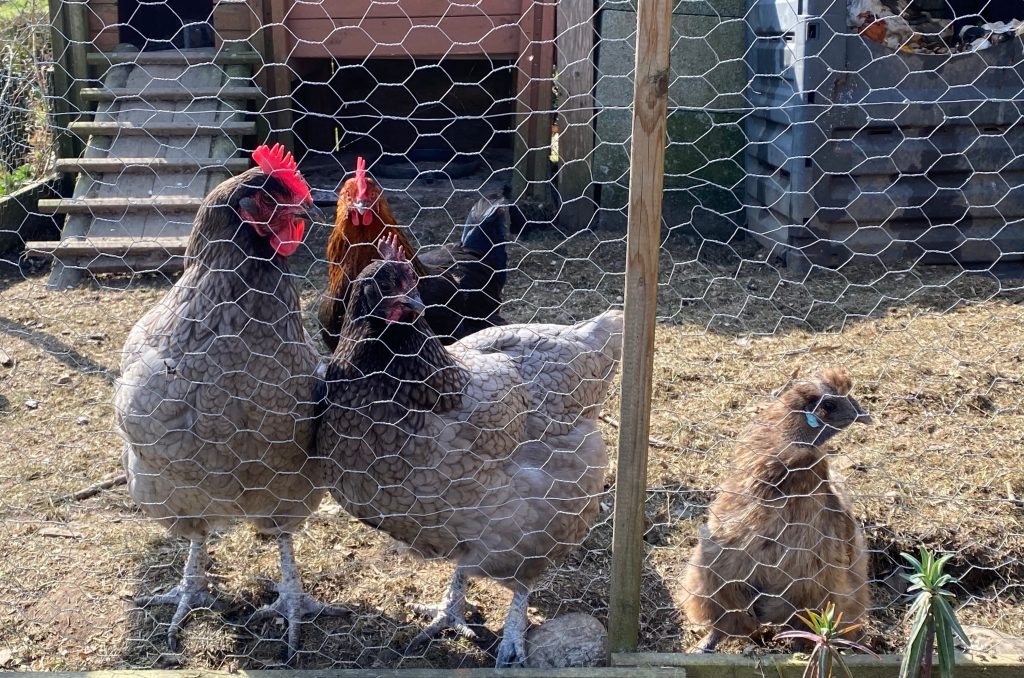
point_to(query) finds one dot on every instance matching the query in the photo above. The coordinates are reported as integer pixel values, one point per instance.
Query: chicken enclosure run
(356, 401)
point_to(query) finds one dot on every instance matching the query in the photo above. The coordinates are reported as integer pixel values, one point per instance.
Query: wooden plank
(352, 11)
(575, 178)
(170, 94)
(165, 203)
(182, 57)
(718, 665)
(646, 181)
(595, 672)
(82, 247)
(67, 145)
(532, 141)
(278, 105)
(97, 165)
(496, 36)
(77, 27)
(169, 129)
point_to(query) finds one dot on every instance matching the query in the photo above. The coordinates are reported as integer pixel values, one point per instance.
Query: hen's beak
(862, 416)
(360, 206)
(413, 305)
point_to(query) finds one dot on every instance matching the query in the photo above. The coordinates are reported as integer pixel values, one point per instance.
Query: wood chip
(62, 532)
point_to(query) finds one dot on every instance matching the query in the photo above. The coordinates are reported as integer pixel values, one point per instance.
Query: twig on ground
(93, 490)
(653, 442)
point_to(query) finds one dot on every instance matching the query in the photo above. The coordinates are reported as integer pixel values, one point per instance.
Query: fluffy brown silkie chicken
(214, 401)
(486, 452)
(781, 536)
(461, 284)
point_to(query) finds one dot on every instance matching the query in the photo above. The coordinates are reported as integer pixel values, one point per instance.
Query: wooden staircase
(166, 131)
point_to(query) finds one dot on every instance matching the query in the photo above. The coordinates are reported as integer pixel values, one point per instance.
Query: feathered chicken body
(214, 401)
(781, 536)
(486, 452)
(461, 284)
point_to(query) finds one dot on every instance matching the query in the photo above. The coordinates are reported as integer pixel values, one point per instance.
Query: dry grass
(936, 354)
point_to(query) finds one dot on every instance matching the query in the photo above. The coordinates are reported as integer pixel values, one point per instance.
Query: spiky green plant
(933, 619)
(826, 631)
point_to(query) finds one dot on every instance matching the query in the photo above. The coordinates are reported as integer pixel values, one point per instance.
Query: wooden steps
(101, 165)
(169, 129)
(166, 131)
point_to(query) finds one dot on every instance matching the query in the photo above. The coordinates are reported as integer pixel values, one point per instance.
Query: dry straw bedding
(935, 352)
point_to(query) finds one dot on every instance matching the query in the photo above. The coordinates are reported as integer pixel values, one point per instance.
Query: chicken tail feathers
(486, 231)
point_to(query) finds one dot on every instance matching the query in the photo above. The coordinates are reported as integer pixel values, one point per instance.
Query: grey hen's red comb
(279, 163)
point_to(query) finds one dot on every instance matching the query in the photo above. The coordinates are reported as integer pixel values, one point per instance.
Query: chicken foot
(512, 650)
(188, 595)
(292, 603)
(450, 613)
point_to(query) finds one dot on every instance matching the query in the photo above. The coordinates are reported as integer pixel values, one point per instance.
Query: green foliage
(826, 631)
(933, 619)
(12, 181)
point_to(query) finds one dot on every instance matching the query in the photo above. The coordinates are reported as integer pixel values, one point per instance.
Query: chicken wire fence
(842, 189)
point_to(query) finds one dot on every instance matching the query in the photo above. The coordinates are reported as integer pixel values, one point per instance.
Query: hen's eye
(828, 406)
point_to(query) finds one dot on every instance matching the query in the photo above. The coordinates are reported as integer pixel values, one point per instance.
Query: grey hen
(214, 401)
(486, 452)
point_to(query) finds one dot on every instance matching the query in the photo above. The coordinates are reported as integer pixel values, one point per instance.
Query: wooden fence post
(576, 113)
(646, 178)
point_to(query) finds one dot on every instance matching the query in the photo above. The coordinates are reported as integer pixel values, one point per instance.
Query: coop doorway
(165, 24)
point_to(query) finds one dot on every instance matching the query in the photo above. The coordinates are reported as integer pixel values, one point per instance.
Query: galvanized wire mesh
(829, 202)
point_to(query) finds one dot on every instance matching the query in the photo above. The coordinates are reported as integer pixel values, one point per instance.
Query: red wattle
(286, 248)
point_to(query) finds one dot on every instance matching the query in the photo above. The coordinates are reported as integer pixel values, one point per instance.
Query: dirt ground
(936, 354)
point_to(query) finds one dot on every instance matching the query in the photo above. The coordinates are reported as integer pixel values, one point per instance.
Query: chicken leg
(450, 613)
(512, 650)
(292, 603)
(188, 595)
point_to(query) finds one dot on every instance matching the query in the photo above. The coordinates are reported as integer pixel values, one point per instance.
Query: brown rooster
(781, 536)
(214, 401)
(486, 452)
(461, 284)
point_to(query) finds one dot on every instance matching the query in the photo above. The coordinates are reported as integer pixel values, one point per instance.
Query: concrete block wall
(704, 158)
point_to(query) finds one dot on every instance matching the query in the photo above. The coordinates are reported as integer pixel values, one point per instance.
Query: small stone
(31, 404)
(64, 380)
(82, 421)
(5, 358)
(571, 640)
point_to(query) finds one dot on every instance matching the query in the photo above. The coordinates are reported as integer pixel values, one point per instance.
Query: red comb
(279, 163)
(361, 188)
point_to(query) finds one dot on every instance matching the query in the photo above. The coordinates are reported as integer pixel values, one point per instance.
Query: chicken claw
(292, 604)
(450, 613)
(188, 595)
(512, 650)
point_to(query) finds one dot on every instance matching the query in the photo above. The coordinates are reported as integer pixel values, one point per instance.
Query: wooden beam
(170, 93)
(168, 203)
(114, 164)
(77, 26)
(278, 106)
(792, 666)
(184, 57)
(646, 179)
(532, 139)
(575, 178)
(128, 129)
(60, 103)
(114, 247)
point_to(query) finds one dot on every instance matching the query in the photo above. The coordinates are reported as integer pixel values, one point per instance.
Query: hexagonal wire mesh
(829, 202)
